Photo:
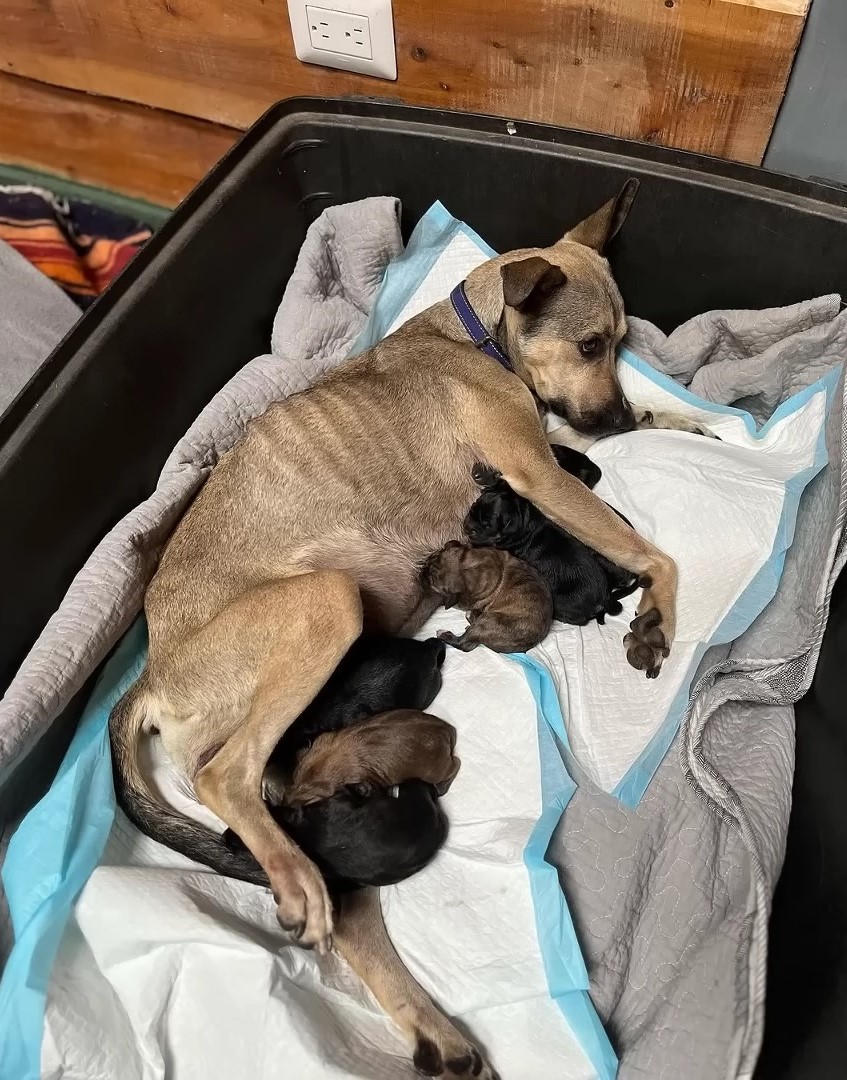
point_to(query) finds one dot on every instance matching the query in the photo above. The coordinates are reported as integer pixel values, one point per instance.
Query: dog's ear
(604, 224)
(529, 282)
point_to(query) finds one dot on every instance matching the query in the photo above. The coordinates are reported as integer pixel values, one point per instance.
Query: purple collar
(474, 328)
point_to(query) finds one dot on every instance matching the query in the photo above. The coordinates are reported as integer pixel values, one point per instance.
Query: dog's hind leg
(440, 1049)
(284, 639)
(465, 643)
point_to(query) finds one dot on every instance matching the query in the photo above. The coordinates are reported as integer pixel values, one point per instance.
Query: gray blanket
(671, 899)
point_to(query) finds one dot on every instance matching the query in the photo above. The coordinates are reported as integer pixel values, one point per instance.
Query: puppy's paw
(450, 1057)
(646, 645)
(303, 905)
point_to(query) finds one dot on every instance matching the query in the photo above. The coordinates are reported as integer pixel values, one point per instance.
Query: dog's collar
(475, 329)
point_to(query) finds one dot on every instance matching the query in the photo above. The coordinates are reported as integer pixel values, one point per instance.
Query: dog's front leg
(649, 420)
(440, 1049)
(572, 505)
(507, 433)
(645, 420)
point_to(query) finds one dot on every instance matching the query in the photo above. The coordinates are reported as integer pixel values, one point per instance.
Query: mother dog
(320, 520)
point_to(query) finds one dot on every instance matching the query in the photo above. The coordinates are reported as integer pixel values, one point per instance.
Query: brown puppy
(320, 519)
(509, 605)
(379, 752)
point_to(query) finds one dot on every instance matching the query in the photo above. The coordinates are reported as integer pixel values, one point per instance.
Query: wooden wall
(704, 75)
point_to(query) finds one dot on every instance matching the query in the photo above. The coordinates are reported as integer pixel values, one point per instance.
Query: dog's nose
(621, 418)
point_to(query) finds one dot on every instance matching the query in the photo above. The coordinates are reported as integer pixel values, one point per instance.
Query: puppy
(378, 673)
(509, 604)
(339, 807)
(359, 838)
(378, 752)
(578, 464)
(584, 585)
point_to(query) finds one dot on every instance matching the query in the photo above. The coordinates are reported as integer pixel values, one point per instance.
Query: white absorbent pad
(170, 971)
(725, 510)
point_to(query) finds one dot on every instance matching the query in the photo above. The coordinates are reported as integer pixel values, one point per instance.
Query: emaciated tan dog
(318, 522)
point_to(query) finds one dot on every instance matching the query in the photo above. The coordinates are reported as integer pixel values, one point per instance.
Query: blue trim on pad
(52, 854)
(405, 274)
(564, 966)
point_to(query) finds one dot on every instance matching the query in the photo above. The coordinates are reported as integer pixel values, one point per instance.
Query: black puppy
(584, 584)
(358, 838)
(378, 673)
(361, 836)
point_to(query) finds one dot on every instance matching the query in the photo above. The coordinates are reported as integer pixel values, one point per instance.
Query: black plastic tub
(86, 439)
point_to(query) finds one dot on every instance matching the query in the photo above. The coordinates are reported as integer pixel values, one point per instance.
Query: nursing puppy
(379, 672)
(377, 753)
(358, 838)
(361, 802)
(584, 585)
(508, 603)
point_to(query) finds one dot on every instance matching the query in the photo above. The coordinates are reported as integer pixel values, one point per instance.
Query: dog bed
(720, 903)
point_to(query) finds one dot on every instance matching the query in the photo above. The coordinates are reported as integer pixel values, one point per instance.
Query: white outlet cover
(383, 60)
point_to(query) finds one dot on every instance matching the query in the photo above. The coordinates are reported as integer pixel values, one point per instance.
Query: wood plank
(698, 74)
(125, 147)
(787, 7)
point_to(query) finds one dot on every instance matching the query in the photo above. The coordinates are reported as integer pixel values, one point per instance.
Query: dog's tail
(158, 821)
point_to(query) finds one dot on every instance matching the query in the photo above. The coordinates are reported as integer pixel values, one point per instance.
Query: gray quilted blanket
(671, 899)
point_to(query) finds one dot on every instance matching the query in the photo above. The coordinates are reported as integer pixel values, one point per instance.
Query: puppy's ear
(604, 224)
(528, 283)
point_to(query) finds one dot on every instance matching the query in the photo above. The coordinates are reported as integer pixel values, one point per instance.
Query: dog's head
(444, 572)
(563, 320)
(378, 752)
(498, 517)
(374, 838)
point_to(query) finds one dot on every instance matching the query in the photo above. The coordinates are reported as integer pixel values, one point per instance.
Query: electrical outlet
(338, 32)
(353, 35)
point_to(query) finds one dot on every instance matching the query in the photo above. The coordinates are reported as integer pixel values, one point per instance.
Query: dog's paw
(450, 1056)
(700, 429)
(646, 645)
(647, 420)
(303, 906)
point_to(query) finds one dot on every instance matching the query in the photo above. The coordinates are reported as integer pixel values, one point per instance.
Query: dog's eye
(591, 346)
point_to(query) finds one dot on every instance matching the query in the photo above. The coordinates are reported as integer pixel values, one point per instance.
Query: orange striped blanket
(82, 247)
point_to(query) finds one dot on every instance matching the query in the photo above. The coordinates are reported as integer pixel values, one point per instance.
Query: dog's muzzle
(610, 420)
